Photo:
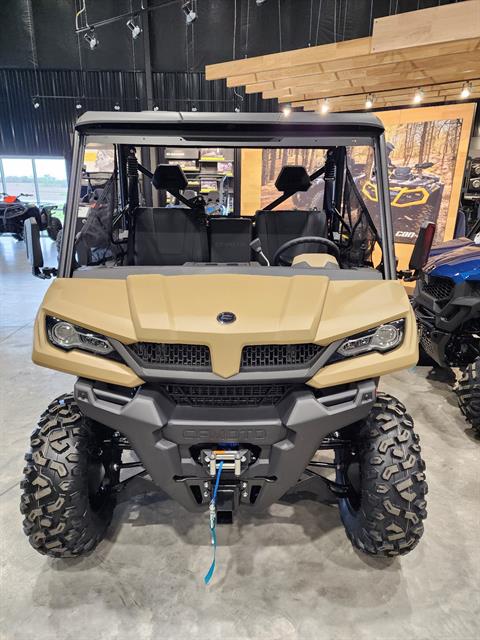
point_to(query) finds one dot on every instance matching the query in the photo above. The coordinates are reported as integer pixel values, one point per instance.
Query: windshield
(177, 206)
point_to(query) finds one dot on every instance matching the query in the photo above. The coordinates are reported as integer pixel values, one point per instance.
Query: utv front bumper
(448, 315)
(169, 437)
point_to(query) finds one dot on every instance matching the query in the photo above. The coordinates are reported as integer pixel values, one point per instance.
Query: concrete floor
(290, 573)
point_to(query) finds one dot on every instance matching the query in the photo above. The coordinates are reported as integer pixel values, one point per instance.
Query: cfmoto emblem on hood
(226, 317)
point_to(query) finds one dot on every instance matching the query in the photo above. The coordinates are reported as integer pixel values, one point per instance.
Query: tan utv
(232, 357)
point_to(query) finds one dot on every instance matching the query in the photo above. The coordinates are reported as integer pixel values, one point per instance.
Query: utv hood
(266, 309)
(459, 264)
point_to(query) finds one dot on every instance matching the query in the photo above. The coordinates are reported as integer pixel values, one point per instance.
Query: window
(40, 180)
(18, 178)
(51, 180)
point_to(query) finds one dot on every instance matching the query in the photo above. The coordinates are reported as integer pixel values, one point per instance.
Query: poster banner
(426, 150)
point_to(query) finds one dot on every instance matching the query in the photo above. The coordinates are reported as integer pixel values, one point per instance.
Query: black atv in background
(14, 212)
(447, 306)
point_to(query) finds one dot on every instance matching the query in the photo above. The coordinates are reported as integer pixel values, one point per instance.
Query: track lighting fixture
(237, 109)
(466, 90)
(136, 29)
(418, 97)
(92, 39)
(116, 106)
(369, 101)
(35, 103)
(194, 108)
(190, 15)
(78, 105)
(260, 2)
(325, 108)
(287, 110)
(156, 107)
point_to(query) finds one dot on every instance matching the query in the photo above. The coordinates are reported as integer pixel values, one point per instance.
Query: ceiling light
(36, 103)
(194, 108)
(325, 108)
(190, 15)
(116, 106)
(418, 97)
(78, 105)
(466, 90)
(369, 101)
(287, 110)
(92, 39)
(136, 29)
(237, 109)
(260, 2)
(156, 107)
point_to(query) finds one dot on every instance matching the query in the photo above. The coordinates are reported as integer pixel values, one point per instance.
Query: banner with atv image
(422, 159)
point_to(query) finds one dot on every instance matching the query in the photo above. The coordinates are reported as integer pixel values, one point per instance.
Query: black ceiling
(224, 29)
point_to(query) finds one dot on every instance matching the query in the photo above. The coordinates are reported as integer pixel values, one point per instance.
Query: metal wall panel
(48, 129)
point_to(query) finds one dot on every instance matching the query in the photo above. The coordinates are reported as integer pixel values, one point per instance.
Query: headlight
(68, 336)
(382, 339)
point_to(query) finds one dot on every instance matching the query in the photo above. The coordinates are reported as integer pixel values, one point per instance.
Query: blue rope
(213, 522)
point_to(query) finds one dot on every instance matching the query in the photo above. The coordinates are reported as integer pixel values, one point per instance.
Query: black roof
(258, 127)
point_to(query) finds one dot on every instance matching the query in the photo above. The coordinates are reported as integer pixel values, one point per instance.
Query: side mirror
(34, 249)
(422, 247)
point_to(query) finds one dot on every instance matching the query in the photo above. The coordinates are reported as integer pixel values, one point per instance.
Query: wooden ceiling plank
(285, 94)
(300, 70)
(438, 62)
(419, 53)
(259, 87)
(445, 23)
(240, 81)
(322, 78)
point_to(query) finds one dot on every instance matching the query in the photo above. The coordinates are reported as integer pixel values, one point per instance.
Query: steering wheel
(278, 260)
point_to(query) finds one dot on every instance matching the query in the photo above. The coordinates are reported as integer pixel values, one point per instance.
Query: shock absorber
(330, 177)
(132, 176)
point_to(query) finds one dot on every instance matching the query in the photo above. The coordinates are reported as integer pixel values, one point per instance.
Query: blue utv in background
(447, 306)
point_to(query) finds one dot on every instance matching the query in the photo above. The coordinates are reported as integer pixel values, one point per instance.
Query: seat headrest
(293, 178)
(169, 177)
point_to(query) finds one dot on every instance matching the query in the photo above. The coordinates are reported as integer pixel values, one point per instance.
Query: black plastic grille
(173, 356)
(279, 356)
(226, 395)
(438, 288)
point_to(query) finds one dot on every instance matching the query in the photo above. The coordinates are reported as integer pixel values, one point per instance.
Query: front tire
(68, 491)
(385, 472)
(468, 394)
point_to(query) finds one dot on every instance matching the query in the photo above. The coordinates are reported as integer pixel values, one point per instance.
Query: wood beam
(427, 26)
(419, 57)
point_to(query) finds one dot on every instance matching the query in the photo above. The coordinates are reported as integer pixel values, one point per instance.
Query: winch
(236, 460)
